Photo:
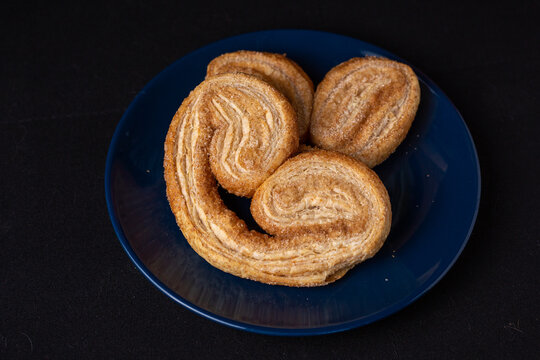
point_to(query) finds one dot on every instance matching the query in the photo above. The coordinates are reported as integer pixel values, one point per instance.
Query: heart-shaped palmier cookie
(324, 211)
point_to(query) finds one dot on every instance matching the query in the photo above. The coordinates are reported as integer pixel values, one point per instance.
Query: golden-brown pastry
(326, 197)
(276, 69)
(328, 211)
(251, 125)
(364, 108)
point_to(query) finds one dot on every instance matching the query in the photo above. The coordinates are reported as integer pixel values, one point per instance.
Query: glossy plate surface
(433, 180)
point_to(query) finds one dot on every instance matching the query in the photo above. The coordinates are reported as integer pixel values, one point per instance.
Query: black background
(67, 288)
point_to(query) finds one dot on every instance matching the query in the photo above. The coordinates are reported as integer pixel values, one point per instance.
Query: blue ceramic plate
(433, 180)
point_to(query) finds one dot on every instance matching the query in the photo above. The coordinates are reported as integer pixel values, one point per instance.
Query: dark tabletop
(68, 72)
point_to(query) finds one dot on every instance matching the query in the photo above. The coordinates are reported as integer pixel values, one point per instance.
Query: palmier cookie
(279, 71)
(364, 108)
(244, 126)
(352, 223)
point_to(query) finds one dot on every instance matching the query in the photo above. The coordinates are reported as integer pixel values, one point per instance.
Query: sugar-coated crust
(210, 127)
(279, 71)
(364, 108)
(321, 192)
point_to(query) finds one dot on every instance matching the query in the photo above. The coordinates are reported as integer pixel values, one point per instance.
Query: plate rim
(268, 330)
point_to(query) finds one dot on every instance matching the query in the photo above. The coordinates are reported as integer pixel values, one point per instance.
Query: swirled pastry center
(317, 194)
(277, 70)
(244, 149)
